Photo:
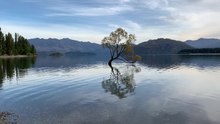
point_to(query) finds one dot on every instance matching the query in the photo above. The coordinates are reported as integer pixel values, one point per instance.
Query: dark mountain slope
(161, 46)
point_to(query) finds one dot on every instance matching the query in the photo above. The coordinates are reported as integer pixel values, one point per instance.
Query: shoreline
(192, 54)
(202, 54)
(16, 56)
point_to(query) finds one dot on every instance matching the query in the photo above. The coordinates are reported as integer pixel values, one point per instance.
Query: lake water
(84, 90)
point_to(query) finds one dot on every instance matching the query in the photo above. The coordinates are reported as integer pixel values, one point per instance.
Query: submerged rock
(8, 118)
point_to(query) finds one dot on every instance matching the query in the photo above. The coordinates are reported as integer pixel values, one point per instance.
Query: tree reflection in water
(14, 67)
(121, 84)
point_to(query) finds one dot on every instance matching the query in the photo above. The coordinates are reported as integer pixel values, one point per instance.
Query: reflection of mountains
(121, 84)
(154, 61)
(172, 61)
(69, 61)
(16, 67)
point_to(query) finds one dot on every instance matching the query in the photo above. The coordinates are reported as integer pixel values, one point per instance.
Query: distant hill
(212, 51)
(158, 46)
(65, 46)
(161, 46)
(204, 43)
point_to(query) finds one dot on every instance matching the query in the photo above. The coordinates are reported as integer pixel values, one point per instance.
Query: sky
(91, 20)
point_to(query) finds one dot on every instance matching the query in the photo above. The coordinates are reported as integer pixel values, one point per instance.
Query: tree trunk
(110, 62)
(112, 59)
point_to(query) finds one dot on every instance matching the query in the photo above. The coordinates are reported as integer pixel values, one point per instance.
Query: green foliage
(33, 50)
(120, 45)
(17, 46)
(9, 44)
(129, 53)
(24, 48)
(1, 41)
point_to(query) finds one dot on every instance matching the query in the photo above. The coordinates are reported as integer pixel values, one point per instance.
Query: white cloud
(196, 19)
(124, 1)
(204, 24)
(177, 19)
(132, 25)
(113, 26)
(88, 11)
(83, 8)
(186, 19)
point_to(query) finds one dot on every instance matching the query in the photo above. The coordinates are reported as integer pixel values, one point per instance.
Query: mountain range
(65, 45)
(161, 46)
(157, 46)
(204, 43)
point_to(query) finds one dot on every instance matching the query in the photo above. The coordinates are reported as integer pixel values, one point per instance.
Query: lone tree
(120, 45)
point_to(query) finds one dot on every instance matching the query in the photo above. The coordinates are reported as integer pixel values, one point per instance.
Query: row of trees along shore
(15, 46)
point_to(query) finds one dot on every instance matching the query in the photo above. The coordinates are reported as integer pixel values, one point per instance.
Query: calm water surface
(84, 90)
